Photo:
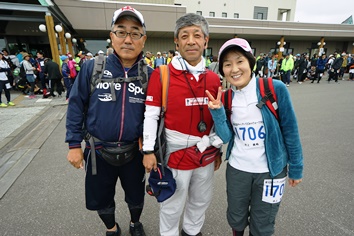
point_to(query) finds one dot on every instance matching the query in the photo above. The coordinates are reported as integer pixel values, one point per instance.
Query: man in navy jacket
(110, 116)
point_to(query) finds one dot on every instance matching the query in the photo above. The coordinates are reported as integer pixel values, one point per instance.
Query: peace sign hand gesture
(214, 103)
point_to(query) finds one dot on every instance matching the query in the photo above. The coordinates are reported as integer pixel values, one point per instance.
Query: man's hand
(76, 157)
(150, 162)
(217, 162)
(214, 103)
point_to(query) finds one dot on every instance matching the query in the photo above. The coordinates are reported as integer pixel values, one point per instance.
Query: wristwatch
(148, 152)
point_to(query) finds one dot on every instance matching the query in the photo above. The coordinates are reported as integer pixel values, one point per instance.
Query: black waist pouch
(120, 155)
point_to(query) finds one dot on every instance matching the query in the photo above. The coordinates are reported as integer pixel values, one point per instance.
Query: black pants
(41, 76)
(333, 75)
(341, 72)
(59, 86)
(7, 91)
(300, 76)
(319, 74)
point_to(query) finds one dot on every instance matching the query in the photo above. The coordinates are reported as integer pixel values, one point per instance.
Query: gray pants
(245, 205)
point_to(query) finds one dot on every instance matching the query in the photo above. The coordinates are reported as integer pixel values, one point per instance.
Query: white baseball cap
(128, 11)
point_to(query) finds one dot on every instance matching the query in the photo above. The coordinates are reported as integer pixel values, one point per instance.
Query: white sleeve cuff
(152, 114)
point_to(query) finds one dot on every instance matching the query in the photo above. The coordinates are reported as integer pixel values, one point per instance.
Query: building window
(199, 13)
(283, 14)
(212, 14)
(260, 13)
(224, 14)
(236, 15)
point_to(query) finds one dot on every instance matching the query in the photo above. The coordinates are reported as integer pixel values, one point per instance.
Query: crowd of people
(298, 68)
(303, 68)
(40, 75)
(33, 78)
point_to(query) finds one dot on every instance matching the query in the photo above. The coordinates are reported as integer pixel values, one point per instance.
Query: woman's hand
(294, 182)
(214, 103)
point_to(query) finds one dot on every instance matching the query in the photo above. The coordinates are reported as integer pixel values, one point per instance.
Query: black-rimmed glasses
(123, 34)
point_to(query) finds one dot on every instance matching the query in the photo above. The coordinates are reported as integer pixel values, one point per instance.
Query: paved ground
(24, 129)
(25, 110)
(47, 195)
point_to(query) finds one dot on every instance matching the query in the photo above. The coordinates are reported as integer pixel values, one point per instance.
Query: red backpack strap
(268, 95)
(226, 99)
(271, 87)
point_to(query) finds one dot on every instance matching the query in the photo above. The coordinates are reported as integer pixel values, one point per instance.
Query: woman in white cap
(262, 149)
(89, 56)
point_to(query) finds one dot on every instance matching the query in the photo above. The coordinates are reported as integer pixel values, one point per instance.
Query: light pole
(320, 45)
(49, 27)
(281, 44)
(70, 45)
(60, 31)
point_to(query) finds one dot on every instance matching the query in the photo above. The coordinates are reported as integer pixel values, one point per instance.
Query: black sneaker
(137, 229)
(118, 232)
(185, 234)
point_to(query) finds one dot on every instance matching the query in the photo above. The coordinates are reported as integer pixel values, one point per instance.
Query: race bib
(251, 134)
(278, 190)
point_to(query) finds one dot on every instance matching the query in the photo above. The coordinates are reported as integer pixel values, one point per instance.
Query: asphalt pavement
(42, 194)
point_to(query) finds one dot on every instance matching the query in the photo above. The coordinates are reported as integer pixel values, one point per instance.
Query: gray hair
(129, 18)
(192, 19)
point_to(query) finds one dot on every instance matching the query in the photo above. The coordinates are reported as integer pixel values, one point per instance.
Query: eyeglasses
(123, 34)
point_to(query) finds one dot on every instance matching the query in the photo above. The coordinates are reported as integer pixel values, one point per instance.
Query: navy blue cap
(161, 186)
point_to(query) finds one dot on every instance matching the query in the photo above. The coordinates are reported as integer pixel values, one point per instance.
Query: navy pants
(287, 77)
(101, 188)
